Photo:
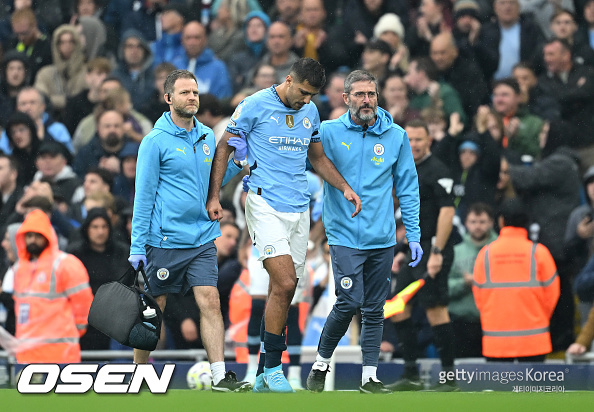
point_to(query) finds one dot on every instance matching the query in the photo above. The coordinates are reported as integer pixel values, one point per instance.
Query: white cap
(149, 313)
(389, 22)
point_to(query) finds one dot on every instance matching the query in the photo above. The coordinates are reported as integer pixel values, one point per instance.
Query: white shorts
(275, 234)
(259, 280)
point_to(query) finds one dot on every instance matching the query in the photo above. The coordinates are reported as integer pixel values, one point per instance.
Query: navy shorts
(178, 270)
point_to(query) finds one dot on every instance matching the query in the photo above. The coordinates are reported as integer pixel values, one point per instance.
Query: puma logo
(180, 150)
(276, 119)
(348, 146)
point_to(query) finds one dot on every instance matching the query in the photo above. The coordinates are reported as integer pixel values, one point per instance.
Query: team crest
(163, 273)
(206, 149)
(378, 149)
(289, 120)
(306, 123)
(269, 250)
(346, 283)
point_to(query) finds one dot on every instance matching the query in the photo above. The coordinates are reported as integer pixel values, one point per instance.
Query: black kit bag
(117, 310)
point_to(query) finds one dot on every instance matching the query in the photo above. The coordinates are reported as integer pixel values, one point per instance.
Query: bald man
(463, 74)
(211, 73)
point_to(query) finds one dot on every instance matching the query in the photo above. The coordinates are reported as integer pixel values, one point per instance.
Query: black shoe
(374, 387)
(448, 386)
(230, 384)
(406, 385)
(316, 379)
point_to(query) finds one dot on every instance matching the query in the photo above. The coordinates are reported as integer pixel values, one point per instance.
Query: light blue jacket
(372, 162)
(172, 178)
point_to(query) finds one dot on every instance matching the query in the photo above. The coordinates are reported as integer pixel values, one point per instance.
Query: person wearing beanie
(15, 73)
(255, 30)
(470, 39)
(389, 28)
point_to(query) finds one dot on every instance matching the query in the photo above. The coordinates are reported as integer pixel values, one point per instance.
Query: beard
(364, 118)
(112, 140)
(185, 113)
(34, 249)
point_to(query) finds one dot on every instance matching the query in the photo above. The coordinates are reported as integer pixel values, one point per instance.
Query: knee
(347, 307)
(372, 317)
(208, 301)
(285, 287)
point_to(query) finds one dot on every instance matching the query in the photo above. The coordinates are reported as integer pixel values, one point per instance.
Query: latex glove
(136, 259)
(416, 252)
(245, 181)
(240, 145)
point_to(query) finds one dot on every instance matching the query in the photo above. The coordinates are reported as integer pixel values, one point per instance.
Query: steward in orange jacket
(516, 289)
(52, 295)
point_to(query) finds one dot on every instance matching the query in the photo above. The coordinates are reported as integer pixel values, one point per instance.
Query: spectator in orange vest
(516, 289)
(52, 295)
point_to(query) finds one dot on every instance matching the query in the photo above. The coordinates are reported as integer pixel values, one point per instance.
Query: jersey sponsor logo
(206, 149)
(377, 160)
(378, 149)
(163, 273)
(208, 160)
(276, 119)
(289, 120)
(447, 184)
(180, 150)
(294, 144)
(269, 250)
(346, 283)
(83, 377)
(306, 123)
(348, 146)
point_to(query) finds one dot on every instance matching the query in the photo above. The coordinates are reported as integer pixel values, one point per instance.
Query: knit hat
(389, 22)
(470, 145)
(466, 8)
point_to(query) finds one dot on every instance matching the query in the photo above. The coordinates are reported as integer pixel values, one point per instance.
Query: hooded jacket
(25, 157)
(210, 72)
(172, 175)
(372, 162)
(140, 85)
(63, 78)
(52, 298)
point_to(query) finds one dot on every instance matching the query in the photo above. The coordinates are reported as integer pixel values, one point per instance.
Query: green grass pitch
(196, 401)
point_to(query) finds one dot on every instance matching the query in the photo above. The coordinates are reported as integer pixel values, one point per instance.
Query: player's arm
(217, 172)
(326, 169)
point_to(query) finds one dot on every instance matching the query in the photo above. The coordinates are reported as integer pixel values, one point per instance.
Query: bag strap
(141, 270)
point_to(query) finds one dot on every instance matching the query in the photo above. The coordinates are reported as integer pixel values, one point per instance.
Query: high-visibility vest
(52, 299)
(240, 306)
(516, 289)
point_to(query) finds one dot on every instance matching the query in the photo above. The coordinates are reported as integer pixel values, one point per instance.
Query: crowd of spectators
(506, 86)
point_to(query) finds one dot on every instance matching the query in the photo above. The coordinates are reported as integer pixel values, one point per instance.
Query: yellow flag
(396, 305)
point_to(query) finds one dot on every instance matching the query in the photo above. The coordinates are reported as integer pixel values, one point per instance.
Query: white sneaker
(295, 383)
(250, 376)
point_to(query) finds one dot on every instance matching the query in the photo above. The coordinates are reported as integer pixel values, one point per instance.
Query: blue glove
(416, 252)
(240, 145)
(136, 259)
(245, 181)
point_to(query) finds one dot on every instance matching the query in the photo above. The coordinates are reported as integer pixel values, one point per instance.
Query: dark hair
(210, 103)
(12, 162)
(426, 65)
(21, 118)
(561, 11)
(479, 208)
(164, 67)
(227, 223)
(514, 213)
(112, 79)
(39, 202)
(104, 174)
(308, 70)
(358, 76)
(172, 78)
(509, 82)
(564, 44)
(418, 123)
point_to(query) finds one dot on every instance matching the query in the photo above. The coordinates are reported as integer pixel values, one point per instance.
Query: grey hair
(358, 76)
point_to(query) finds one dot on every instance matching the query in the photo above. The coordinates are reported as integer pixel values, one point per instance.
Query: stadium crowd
(506, 89)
